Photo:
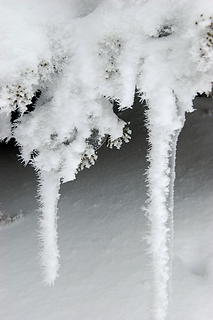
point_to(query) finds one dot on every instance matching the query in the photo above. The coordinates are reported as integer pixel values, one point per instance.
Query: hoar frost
(59, 84)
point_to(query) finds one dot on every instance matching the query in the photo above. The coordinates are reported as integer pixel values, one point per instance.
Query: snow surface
(105, 270)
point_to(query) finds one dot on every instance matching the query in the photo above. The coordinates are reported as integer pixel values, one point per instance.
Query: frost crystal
(72, 59)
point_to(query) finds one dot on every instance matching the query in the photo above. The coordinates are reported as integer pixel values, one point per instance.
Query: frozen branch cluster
(63, 63)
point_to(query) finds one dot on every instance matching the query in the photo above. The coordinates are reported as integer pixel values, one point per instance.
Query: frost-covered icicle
(49, 196)
(163, 134)
(170, 199)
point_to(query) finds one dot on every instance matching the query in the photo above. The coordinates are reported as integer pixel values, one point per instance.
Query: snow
(61, 71)
(105, 270)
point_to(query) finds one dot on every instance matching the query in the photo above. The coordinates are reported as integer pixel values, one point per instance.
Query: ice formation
(63, 63)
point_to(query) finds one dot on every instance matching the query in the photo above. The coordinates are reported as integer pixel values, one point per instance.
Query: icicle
(163, 135)
(49, 196)
(170, 201)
